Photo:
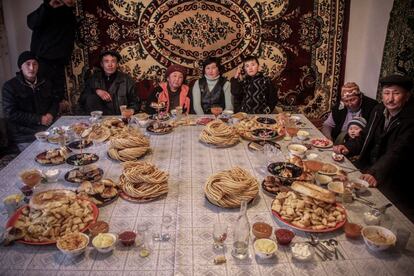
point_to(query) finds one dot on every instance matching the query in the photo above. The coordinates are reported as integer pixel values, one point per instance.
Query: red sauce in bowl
(284, 236)
(127, 238)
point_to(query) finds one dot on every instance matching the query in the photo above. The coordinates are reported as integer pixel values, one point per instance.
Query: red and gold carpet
(300, 44)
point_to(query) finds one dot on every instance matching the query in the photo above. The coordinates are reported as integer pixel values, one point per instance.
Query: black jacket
(339, 115)
(24, 107)
(254, 95)
(54, 31)
(123, 91)
(387, 154)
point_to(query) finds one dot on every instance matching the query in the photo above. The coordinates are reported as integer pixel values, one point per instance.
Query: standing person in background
(54, 28)
(29, 102)
(253, 93)
(172, 93)
(353, 104)
(211, 89)
(108, 88)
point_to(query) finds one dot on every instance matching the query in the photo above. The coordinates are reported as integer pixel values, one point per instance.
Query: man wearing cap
(387, 150)
(108, 88)
(353, 104)
(172, 93)
(29, 103)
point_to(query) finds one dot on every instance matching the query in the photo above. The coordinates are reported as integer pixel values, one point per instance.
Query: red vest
(184, 99)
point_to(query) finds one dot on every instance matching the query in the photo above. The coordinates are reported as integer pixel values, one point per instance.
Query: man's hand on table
(370, 179)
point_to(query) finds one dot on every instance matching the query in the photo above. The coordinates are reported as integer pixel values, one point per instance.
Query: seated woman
(211, 89)
(172, 93)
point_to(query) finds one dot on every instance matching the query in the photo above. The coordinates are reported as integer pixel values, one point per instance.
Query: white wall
(18, 34)
(366, 37)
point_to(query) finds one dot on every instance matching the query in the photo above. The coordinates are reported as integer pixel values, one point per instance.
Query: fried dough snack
(128, 146)
(306, 212)
(229, 188)
(48, 224)
(143, 180)
(219, 134)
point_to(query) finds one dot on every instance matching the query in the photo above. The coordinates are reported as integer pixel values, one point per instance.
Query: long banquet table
(190, 251)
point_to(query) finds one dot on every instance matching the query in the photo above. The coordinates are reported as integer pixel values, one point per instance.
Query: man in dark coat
(107, 89)
(388, 149)
(29, 103)
(353, 104)
(54, 28)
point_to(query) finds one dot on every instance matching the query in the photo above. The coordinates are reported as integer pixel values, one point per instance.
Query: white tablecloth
(190, 251)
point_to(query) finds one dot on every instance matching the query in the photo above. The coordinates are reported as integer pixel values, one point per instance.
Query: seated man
(172, 93)
(29, 103)
(109, 88)
(353, 104)
(387, 147)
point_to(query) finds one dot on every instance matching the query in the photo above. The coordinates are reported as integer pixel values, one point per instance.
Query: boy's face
(109, 64)
(354, 131)
(251, 67)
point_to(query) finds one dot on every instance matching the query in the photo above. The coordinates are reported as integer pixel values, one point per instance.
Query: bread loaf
(313, 191)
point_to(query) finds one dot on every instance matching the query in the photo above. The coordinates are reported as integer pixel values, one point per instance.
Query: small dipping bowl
(96, 114)
(98, 228)
(302, 135)
(104, 242)
(322, 179)
(284, 236)
(127, 238)
(265, 248)
(352, 230)
(31, 177)
(302, 251)
(52, 175)
(261, 230)
(42, 136)
(311, 156)
(297, 149)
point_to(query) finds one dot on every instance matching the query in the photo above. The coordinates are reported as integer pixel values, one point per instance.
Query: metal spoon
(315, 243)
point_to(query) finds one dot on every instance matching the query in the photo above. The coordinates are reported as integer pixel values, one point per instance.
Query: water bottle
(241, 234)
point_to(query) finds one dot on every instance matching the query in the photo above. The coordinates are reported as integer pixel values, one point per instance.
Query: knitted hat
(175, 68)
(403, 81)
(359, 121)
(350, 89)
(25, 56)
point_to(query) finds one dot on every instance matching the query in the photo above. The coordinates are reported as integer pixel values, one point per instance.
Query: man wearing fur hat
(29, 102)
(108, 88)
(353, 104)
(387, 147)
(172, 93)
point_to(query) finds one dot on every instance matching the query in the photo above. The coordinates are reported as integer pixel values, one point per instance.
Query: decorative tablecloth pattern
(190, 251)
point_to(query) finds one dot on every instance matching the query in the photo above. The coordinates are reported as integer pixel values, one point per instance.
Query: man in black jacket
(353, 104)
(388, 148)
(109, 88)
(54, 28)
(29, 103)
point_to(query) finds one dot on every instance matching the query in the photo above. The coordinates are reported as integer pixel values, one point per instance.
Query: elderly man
(109, 88)
(172, 93)
(353, 104)
(387, 148)
(29, 103)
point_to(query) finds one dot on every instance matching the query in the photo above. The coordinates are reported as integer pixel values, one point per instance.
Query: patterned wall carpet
(301, 44)
(399, 43)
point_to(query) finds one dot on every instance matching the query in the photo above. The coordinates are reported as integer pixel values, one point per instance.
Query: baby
(355, 127)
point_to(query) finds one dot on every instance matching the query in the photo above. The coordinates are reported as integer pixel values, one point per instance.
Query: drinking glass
(122, 108)
(166, 222)
(127, 114)
(219, 235)
(216, 110)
